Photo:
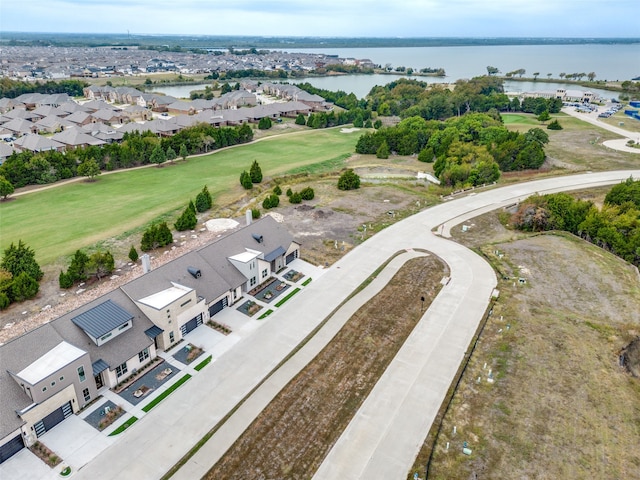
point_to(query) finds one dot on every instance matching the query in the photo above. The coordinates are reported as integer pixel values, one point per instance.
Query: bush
(426, 155)
(64, 280)
(295, 198)
(277, 190)
(133, 254)
(349, 180)
(300, 120)
(4, 301)
(157, 235)
(255, 213)
(289, 192)
(265, 123)
(377, 124)
(554, 125)
(271, 201)
(383, 150)
(255, 172)
(307, 193)
(24, 287)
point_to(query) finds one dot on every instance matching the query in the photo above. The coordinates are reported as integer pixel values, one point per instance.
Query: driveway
(619, 144)
(384, 437)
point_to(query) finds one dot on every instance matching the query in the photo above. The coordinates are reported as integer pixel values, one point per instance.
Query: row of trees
(615, 226)
(14, 88)
(254, 175)
(83, 266)
(471, 149)
(28, 168)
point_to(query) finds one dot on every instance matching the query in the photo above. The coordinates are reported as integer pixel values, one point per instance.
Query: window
(86, 394)
(81, 373)
(121, 369)
(44, 389)
(264, 273)
(122, 327)
(105, 336)
(171, 337)
(253, 281)
(53, 384)
(62, 378)
(185, 303)
(143, 355)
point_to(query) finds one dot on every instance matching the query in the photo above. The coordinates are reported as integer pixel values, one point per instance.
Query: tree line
(28, 168)
(614, 227)
(14, 88)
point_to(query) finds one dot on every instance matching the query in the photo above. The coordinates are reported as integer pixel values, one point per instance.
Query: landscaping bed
(291, 437)
(188, 353)
(104, 416)
(249, 308)
(41, 451)
(293, 276)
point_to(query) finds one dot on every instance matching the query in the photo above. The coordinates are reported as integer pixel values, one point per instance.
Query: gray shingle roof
(102, 319)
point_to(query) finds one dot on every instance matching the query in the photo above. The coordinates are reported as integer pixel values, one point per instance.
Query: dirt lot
(561, 406)
(291, 437)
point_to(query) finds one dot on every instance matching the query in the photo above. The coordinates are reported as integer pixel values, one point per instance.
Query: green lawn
(521, 118)
(58, 221)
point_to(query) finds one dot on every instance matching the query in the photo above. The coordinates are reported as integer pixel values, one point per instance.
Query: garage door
(216, 307)
(291, 257)
(54, 418)
(191, 325)
(10, 448)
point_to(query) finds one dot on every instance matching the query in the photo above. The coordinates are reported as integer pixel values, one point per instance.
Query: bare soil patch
(291, 437)
(561, 405)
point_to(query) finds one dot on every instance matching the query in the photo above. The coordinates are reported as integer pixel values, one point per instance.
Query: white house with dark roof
(50, 373)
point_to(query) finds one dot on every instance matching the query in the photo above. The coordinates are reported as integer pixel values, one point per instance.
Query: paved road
(619, 144)
(384, 437)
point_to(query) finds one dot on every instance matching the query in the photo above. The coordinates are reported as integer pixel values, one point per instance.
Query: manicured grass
(166, 393)
(265, 314)
(523, 118)
(307, 282)
(281, 302)
(58, 221)
(124, 426)
(203, 363)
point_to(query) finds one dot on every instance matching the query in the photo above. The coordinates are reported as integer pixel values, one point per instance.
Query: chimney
(146, 263)
(248, 216)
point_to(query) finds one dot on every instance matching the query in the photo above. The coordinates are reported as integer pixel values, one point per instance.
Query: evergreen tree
(158, 156)
(265, 123)
(307, 193)
(171, 154)
(255, 213)
(289, 192)
(186, 221)
(554, 125)
(255, 172)
(383, 150)
(277, 190)
(295, 198)
(133, 254)
(377, 124)
(64, 279)
(184, 153)
(4, 301)
(24, 286)
(271, 201)
(192, 207)
(300, 120)
(101, 264)
(77, 270)
(349, 180)
(19, 259)
(245, 180)
(204, 200)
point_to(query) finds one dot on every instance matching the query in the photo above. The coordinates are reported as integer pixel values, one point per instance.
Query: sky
(328, 18)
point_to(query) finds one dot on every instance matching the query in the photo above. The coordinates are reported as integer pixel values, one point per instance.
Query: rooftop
(52, 361)
(102, 319)
(165, 297)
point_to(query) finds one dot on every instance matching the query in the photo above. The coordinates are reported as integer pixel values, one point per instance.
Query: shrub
(133, 254)
(204, 200)
(300, 120)
(64, 280)
(349, 180)
(255, 213)
(289, 192)
(186, 221)
(377, 124)
(264, 123)
(277, 190)
(426, 155)
(4, 301)
(295, 198)
(157, 235)
(255, 172)
(24, 287)
(307, 193)
(383, 150)
(554, 125)
(271, 201)
(245, 180)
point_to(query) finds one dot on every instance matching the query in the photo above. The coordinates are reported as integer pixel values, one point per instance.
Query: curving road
(384, 437)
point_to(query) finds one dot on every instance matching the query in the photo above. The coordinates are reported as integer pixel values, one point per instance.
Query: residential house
(80, 118)
(52, 372)
(20, 126)
(76, 138)
(37, 143)
(53, 124)
(103, 132)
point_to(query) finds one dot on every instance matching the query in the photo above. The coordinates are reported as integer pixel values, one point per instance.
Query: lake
(609, 62)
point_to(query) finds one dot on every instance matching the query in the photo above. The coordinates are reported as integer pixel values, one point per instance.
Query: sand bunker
(219, 225)
(349, 130)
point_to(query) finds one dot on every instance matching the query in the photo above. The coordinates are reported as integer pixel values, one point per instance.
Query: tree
(426, 155)
(544, 116)
(157, 235)
(591, 76)
(535, 75)
(186, 221)
(554, 125)
(272, 201)
(492, 70)
(184, 153)
(158, 156)
(245, 180)
(133, 254)
(255, 213)
(349, 180)
(300, 120)
(6, 188)
(289, 192)
(265, 123)
(24, 286)
(64, 280)
(89, 168)
(383, 150)
(101, 264)
(19, 259)
(377, 124)
(255, 172)
(204, 200)
(171, 154)
(4, 301)
(191, 206)
(562, 75)
(77, 270)
(277, 190)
